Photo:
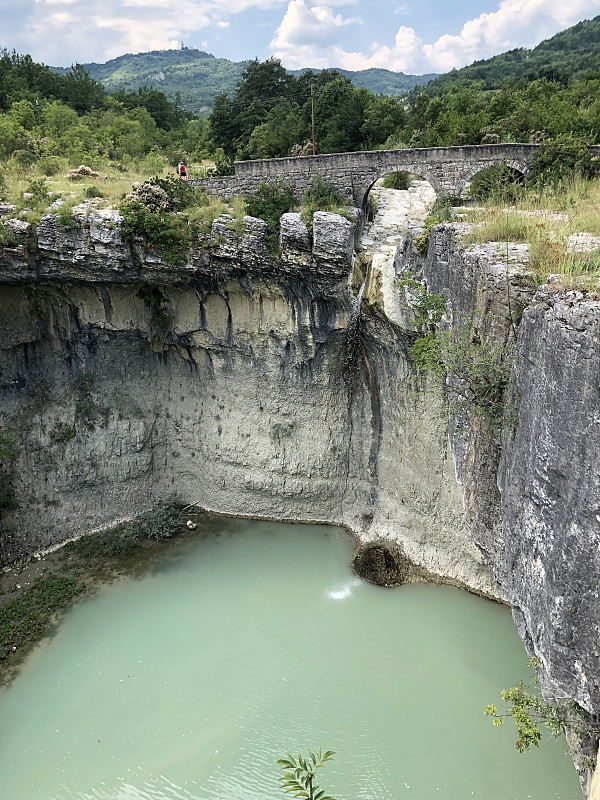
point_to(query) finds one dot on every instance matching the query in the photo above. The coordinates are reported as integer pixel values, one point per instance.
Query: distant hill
(198, 76)
(380, 81)
(572, 53)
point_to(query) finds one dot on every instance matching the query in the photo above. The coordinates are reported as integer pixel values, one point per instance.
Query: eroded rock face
(220, 378)
(550, 487)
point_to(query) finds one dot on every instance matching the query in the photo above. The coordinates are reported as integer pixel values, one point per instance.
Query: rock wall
(532, 497)
(228, 387)
(550, 488)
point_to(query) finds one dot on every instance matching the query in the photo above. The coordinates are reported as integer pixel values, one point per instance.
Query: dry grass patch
(544, 220)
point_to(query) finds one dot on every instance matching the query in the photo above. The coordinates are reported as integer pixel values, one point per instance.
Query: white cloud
(307, 36)
(101, 29)
(305, 30)
(516, 23)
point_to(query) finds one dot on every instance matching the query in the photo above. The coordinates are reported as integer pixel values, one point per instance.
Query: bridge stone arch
(519, 167)
(448, 169)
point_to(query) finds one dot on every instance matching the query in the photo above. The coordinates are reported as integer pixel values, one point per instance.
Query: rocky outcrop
(532, 497)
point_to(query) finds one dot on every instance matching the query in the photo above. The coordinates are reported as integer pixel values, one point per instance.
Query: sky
(412, 36)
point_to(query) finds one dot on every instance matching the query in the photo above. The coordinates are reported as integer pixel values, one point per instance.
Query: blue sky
(413, 36)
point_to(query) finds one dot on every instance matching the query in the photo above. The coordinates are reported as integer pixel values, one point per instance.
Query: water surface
(256, 640)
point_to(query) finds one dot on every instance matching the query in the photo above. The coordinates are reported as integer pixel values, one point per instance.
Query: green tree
(299, 774)
(383, 116)
(58, 118)
(565, 157)
(23, 112)
(531, 713)
(82, 92)
(339, 115)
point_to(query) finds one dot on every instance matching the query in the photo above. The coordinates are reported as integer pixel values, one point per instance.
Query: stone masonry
(448, 169)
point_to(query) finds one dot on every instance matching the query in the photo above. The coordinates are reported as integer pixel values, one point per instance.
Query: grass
(29, 617)
(108, 191)
(115, 182)
(544, 220)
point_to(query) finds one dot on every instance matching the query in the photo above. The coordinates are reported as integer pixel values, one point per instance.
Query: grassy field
(109, 184)
(545, 220)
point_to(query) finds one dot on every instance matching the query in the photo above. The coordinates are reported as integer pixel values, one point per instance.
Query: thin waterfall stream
(395, 211)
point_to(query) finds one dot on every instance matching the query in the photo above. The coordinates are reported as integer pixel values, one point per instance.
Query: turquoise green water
(192, 681)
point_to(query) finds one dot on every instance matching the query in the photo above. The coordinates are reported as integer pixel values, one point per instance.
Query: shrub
(152, 196)
(270, 202)
(321, 196)
(35, 196)
(8, 236)
(429, 306)
(477, 372)
(164, 229)
(24, 158)
(49, 165)
(29, 616)
(64, 217)
(93, 191)
(163, 520)
(180, 193)
(397, 180)
(499, 184)
(154, 162)
(559, 159)
(202, 217)
(114, 542)
(62, 433)
(322, 193)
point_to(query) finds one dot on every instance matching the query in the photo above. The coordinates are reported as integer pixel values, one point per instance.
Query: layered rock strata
(223, 379)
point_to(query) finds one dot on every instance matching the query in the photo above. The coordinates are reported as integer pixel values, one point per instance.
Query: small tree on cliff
(530, 713)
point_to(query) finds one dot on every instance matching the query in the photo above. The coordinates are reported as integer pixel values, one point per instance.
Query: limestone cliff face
(532, 496)
(550, 488)
(221, 379)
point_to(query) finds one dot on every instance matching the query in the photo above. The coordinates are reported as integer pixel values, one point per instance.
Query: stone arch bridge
(448, 169)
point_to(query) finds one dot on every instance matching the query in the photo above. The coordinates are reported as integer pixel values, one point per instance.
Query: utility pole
(312, 115)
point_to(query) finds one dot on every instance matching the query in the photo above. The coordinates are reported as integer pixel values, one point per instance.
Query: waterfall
(353, 336)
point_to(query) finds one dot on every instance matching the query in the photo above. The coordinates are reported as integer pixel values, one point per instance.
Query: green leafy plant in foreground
(299, 773)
